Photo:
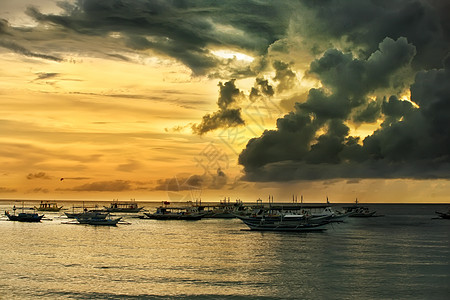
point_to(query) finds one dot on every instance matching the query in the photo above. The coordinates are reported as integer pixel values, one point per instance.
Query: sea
(403, 254)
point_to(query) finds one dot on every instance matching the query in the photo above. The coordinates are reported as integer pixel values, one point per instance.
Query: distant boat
(223, 210)
(357, 211)
(85, 210)
(48, 206)
(444, 215)
(88, 214)
(175, 213)
(98, 219)
(334, 215)
(124, 206)
(24, 216)
(271, 218)
(298, 226)
(275, 214)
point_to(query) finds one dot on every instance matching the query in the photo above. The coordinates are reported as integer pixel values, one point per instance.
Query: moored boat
(175, 213)
(271, 218)
(443, 214)
(222, 210)
(25, 216)
(89, 211)
(124, 206)
(299, 226)
(357, 211)
(48, 206)
(332, 214)
(98, 219)
(88, 214)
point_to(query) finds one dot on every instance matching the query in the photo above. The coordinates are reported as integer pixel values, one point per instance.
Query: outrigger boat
(98, 219)
(175, 213)
(85, 210)
(124, 206)
(224, 210)
(24, 216)
(48, 206)
(357, 211)
(313, 214)
(297, 226)
(87, 214)
(444, 215)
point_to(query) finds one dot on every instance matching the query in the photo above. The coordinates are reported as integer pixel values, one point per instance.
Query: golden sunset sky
(182, 100)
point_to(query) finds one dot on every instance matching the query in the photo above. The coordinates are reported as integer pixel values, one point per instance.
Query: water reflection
(375, 258)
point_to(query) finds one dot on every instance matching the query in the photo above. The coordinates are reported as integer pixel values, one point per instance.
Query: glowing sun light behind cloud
(229, 54)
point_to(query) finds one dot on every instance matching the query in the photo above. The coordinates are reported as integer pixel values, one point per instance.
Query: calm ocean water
(403, 255)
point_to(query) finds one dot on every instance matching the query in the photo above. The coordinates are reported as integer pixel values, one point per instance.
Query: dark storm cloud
(314, 142)
(228, 115)
(4, 27)
(350, 80)
(284, 75)
(188, 30)
(346, 75)
(7, 40)
(262, 88)
(365, 23)
(183, 30)
(364, 54)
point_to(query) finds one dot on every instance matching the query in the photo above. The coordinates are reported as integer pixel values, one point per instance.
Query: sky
(212, 100)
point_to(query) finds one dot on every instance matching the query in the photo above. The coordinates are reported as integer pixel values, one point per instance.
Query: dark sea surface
(402, 255)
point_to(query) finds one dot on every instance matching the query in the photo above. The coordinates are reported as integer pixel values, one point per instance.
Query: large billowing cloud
(359, 26)
(314, 142)
(369, 54)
